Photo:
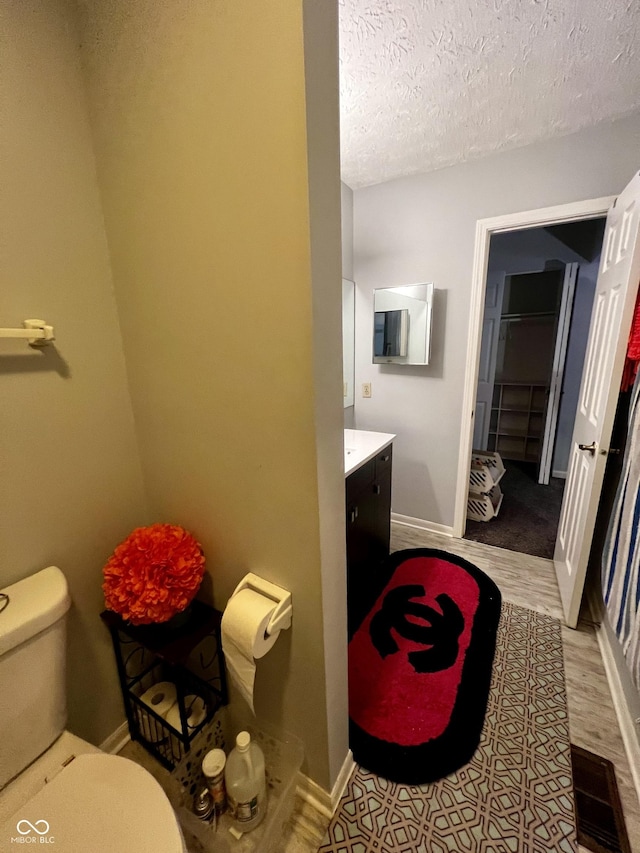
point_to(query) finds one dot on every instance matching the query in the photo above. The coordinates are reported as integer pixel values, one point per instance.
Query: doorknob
(590, 448)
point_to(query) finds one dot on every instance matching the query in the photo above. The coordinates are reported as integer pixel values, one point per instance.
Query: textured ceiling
(429, 83)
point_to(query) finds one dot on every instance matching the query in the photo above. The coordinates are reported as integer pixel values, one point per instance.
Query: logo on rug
(438, 630)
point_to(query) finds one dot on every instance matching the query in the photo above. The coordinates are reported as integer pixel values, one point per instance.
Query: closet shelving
(517, 419)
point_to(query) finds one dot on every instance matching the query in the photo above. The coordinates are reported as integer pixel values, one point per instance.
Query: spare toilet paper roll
(244, 637)
(196, 709)
(161, 697)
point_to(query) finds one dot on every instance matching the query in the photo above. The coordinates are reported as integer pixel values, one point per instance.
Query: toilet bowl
(54, 787)
(99, 803)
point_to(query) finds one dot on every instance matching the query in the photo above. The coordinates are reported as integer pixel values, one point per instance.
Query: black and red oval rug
(420, 667)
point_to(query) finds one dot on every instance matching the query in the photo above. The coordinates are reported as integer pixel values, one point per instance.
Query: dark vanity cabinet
(368, 509)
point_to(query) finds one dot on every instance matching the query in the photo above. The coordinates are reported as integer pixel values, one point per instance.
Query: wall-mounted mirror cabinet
(402, 324)
(348, 340)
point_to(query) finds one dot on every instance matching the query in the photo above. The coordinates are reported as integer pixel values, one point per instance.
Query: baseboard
(117, 739)
(422, 524)
(348, 766)
(561, 475)
(625, 718)
(314, 795)
(322, 801)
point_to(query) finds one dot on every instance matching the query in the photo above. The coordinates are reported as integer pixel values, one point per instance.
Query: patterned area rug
(516, 793)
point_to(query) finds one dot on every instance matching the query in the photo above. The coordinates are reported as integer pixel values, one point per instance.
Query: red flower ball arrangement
(154, 574)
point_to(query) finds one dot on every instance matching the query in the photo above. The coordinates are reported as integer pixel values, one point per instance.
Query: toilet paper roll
(244, 637)
(161, 698)
(196, 709)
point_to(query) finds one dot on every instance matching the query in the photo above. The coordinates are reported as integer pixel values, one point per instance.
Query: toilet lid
(102, 803)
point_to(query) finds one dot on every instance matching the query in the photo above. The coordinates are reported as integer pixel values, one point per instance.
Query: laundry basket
(484, 507)
(486, 471)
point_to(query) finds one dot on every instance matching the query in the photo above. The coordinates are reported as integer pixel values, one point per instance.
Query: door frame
(485, 229)
(565, 317)
(495, 308)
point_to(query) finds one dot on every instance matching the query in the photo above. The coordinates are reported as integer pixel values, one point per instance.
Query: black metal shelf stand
(189, 656)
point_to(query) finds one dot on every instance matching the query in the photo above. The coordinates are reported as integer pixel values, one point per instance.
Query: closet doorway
(538, 301)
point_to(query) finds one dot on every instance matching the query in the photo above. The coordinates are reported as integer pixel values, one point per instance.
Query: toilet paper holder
(281, 618)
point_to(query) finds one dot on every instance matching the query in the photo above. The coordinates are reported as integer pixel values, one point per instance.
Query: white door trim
(557, 372)
(485, 228)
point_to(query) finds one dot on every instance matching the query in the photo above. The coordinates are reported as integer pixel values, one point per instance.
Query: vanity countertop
(361, 445)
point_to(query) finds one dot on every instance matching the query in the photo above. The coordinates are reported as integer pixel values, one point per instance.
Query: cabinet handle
(376, 490)
(385, 458)
(354, 514)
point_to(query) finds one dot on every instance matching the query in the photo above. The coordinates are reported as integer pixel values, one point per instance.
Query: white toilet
(54, 787)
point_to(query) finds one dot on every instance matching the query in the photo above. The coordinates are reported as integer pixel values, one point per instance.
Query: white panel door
(488, 355)
(557, 372)
(613, 306)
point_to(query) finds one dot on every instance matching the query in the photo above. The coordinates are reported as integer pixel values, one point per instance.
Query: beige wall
(70, 479)
(199, 117)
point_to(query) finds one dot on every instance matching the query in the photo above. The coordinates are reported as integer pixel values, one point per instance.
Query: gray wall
(528, 251)
(346, 199)
(423, 229)
(347, 266)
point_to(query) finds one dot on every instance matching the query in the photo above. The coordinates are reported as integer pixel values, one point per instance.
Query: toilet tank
(33, 709)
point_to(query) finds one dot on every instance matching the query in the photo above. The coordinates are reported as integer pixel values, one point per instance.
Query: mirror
(348, 340)
(402, 324)
(390, 333)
